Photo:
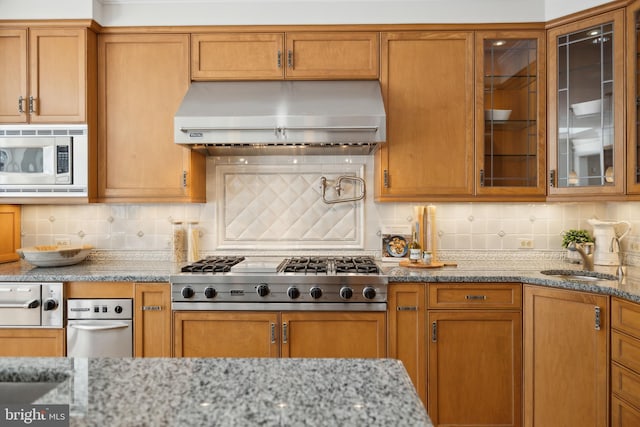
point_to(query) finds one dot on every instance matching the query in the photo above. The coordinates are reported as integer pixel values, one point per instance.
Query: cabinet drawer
(476, 295)
(625, 316)
(623, 414)
(625, 350)
(626, 384)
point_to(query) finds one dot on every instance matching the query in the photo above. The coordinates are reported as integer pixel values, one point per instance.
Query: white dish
(586, 146)
(586, 108)
(497, 114)
(54, 256)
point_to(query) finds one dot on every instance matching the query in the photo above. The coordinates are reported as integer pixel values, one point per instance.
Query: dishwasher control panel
(100, 308)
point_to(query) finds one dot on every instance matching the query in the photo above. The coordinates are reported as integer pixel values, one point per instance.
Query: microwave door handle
(34, 303)
(99, 327)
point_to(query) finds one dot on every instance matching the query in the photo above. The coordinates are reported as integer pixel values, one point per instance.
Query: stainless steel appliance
(31, 305)
(282, 117)
(100, 328)
(43, 161)
(300, 283)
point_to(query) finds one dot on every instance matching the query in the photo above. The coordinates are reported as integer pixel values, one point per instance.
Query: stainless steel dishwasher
(100, 328)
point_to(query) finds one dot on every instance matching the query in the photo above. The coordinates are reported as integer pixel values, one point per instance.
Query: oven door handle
(33, 303)
(98, 327)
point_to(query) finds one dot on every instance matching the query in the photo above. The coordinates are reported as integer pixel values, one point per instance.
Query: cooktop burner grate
(212, 264)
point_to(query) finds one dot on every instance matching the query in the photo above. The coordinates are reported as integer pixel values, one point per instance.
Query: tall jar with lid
(178, 242)
(193, 241)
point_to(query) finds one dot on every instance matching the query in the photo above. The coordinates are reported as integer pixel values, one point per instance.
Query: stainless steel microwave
(43, 161)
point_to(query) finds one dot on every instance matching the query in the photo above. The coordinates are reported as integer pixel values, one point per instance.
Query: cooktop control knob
(210, 292)
(262, 289)
(187, 292)
(293, 292)
(118, 309)
(346, 292)
(315, 292)
(369, 292)
(49, 304)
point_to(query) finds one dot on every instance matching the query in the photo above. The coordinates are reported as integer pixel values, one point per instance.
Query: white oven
(43, 160)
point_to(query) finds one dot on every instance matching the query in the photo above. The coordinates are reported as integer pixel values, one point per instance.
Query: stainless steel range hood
(282, 117)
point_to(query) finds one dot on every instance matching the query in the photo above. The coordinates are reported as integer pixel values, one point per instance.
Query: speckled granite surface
(228, 392)
(503, 267)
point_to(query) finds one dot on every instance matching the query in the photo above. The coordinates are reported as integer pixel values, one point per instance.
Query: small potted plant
(575, 236)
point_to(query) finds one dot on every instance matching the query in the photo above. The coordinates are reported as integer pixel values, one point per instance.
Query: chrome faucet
(587, 255)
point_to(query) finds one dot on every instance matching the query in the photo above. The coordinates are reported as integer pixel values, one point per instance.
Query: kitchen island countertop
(226, 392)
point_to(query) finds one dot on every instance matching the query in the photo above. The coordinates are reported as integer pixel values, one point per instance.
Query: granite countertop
(474, 270)
(226, 392)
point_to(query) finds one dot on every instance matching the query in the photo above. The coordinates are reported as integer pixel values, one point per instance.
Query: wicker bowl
(54, 256)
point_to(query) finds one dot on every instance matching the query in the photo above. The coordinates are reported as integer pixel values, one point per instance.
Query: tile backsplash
(274, 203)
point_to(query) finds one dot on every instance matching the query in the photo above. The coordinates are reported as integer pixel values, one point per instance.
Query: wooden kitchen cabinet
(142, 79)
(274, 334)
(475, 354)
(427, 85)
(30, 342)
(10, 219)
(633, 94)
(274, 56)
(406, 314)
(152, 320)
(586, 107)
(45, 75)
(566, 375)
(625, 363)
(510, 80)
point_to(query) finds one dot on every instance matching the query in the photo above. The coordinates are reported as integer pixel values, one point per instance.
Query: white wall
(557, 8)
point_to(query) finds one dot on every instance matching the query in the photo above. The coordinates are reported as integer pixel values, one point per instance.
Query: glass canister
(178, 242)
(193, 241)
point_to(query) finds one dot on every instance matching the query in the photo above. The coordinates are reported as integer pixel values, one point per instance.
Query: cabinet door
(427, 85)
(10, 217)
(566, 372)
(57, 75)
(13, 76)
(332, 55)
(586, 108)
(407, 339)
(152, 320)
(334, 334)
(142, 79)
(510, 96)
(475, 366)
(225, 334)
(32, 342)
(237, 56)
(633, 95)
(623, 414)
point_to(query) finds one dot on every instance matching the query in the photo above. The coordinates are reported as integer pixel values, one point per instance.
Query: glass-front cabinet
(633, 98)
(510, 138)
(586, 106)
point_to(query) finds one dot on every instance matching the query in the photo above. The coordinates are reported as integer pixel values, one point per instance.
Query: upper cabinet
(510, 100)
(296, 55)
(587, 106)
(427, 85)
(142, 79)
(633, 98)
(44, 75)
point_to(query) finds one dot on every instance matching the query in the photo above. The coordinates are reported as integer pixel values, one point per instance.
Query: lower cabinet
(152, 320)
(32, 342)
(275, 334)
(625, 363)
(475, 354)
(407, 309)
(566, 373)
(10, 232)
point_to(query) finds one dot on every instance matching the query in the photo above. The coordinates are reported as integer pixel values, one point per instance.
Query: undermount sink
(24, 392)
(590, 276)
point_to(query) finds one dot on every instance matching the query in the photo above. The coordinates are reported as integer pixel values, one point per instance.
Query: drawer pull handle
(407, 308)
(597, 319)
(476, 297)
(434, 331)
(285, 335)
(273, 333)
(151, 308)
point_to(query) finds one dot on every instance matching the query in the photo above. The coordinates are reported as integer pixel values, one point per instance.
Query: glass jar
(193, 241)
(178, 242)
